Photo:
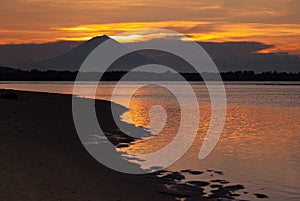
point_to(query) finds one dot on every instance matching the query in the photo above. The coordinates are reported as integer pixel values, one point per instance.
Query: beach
(42, 157)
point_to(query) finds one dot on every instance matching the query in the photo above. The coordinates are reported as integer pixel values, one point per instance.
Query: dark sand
(43, 159)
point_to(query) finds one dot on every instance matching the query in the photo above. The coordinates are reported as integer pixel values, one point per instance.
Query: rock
(175, 176)
(198, 183)
(234, 187)
(259, 195)
(187, 190)
(193, 172)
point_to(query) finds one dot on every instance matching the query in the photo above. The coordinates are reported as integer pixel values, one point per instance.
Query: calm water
(260, 143)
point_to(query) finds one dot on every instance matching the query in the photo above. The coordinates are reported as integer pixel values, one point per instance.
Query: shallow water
(260, 143)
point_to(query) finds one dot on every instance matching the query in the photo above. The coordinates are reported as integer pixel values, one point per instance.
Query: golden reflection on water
(257, 132)
(139, 106)
(249, 132)
(258, 144)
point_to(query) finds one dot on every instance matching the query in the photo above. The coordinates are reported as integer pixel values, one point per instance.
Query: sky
(39, 21)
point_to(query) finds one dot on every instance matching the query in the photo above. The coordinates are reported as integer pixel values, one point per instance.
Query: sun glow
(285, 37)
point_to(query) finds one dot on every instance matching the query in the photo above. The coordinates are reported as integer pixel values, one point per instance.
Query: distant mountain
(7, 70)
(24, 55)
(72, 59)
(235, 56)
(228, 56)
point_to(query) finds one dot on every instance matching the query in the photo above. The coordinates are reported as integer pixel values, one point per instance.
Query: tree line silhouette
(10, 74)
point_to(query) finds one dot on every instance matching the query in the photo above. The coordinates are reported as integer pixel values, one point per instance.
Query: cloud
(286, 35)
(27, 21)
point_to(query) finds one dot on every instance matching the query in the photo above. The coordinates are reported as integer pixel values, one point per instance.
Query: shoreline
(42, 157)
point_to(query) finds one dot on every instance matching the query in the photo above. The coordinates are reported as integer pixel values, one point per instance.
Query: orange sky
(38, 21)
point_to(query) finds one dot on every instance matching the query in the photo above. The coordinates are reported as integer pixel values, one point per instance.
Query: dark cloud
(233, 56)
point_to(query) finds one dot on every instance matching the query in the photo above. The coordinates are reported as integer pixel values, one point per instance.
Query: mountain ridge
(68, 56)
(72, 59)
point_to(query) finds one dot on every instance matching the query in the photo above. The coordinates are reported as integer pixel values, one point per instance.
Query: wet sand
(42, 157)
